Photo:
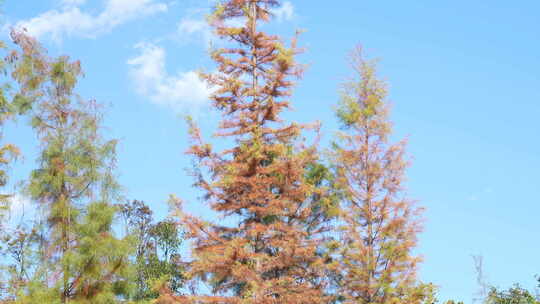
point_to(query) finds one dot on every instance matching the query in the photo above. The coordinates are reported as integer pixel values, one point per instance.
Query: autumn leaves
(284, 248)
(303, 226)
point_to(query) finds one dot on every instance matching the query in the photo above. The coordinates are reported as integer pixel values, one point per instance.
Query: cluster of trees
(304, 226)
(70, 252)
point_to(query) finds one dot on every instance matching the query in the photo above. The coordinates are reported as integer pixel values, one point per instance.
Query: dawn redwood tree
(8, 152)
(12, 103)
(74, 186)
(16, 243)
(380, 224)
(268, 256)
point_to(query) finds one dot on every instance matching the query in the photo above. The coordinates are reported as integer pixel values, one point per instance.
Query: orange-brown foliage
(268, 257)
(380, 223)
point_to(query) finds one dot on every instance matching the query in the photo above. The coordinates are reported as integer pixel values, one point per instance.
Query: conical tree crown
(380, 224)
(74, 185)
(268, 257)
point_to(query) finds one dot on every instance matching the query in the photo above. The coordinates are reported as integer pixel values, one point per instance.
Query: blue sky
(463, 81)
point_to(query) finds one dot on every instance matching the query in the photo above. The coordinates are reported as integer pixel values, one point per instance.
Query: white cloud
(183, 90)
(70, 20)
(189, 27)
(195, 26)
(198, 27)
(285, 12)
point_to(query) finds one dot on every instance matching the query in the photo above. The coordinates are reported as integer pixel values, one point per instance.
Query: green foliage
(99, 256)
(514, 295)
(362, 99)
(71, 253)
(325, 204)
(81, 261)
(21, 104)
(378, 224)
(18, 245)
(157, 245)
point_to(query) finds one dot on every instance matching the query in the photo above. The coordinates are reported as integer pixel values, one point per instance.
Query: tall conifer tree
(268, 257)
(380, 224)
(13, 103)
(16, 243)
(74, 185)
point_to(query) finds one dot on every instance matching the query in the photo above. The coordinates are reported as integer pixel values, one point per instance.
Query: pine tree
(269, 256)
(380, 224)
(74, 185)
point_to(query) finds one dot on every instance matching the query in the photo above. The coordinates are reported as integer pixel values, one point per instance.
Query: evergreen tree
(270, 256)
(74, 186)
(376, 263)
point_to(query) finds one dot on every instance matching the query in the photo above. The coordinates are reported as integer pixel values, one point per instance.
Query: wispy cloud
(285, 12)
(183, 90)
(70, 20)
(195, 26)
